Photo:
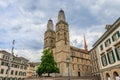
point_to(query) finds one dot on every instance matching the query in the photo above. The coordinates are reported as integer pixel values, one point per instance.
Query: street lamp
(68, 62)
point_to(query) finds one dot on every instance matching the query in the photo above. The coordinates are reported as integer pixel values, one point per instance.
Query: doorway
(78, 74)
(116, 76)
(108, 77)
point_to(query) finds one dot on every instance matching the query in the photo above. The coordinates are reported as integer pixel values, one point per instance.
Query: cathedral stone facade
(58, 41)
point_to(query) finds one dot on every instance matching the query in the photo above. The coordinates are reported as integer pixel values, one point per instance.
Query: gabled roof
(78, 49)
(23, 58)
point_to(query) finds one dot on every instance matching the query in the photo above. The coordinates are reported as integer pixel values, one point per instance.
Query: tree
(48, 64)
(39, 70)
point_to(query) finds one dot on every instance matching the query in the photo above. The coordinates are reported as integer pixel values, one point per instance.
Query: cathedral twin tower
(59, 43)
(61, 33)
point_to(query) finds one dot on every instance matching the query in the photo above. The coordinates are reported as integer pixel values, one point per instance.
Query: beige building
(58, 41)
(18, 66)
(31, 70)
(94, 62)
(108, 50)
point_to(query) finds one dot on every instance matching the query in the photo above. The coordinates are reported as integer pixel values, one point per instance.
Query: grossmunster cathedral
(58, 41)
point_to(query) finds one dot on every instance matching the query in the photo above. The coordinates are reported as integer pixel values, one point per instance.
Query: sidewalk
(63, 78)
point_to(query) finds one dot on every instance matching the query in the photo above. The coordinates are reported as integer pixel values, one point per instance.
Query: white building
(108, 52)
(31, 70)
(18, 66)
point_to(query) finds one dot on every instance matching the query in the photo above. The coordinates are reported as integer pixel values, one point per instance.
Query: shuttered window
(111, 57)
(104, 60)
(107, 42)
(116, 36)
(117, 50)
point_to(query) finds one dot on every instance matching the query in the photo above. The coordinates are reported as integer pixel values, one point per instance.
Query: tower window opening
(58, 35)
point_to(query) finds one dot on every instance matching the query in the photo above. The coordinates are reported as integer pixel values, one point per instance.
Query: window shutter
(108, 58)
(112, 38)
(118, 33)
(105, 44)
(117, 54)
(109, 41)
(102, 60)
(113, 56)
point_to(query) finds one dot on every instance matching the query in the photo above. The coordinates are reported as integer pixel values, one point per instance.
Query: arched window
(51, 41)
(24, 73)
(107, 76)
(46, 41)
(116, 76)
(64, 34)
(65, 37)
(58, 35)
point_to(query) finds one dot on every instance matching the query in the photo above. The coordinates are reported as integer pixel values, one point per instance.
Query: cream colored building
(108, 50)
(31, 70)
(58, 41)
(18, 66)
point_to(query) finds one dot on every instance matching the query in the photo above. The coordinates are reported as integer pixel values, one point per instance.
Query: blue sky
(25, 22)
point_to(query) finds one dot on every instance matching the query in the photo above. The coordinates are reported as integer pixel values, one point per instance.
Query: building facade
(94, 62)
(18, 67)
(108, 50)
(58, 41)
(31, 70)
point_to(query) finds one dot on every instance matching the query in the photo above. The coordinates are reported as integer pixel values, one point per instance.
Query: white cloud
(92, 34)
(25, 21)
(31, 55)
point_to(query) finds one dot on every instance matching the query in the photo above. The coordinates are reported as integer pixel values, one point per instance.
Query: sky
(25, 22)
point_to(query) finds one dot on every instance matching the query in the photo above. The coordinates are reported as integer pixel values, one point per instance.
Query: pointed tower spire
(50, 24)
(61, 16)
(85, 44)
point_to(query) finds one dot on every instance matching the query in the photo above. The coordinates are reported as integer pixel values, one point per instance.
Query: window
(58, 35)
(117, 50)
(16, 72)
(78, 67)
(116, 36)
(3, 56)
(45, 41)
(77, 59)
(107, 43)
(2, 71)
(51, 41)
(6, 71)
(25, 67)
(12, 72)
(104, 60)
(73, 53)
(111, 57)
(21, 67)
(72, 59)
(2, 63)
(73, 66)
(19, 73)
(101, 47)
(24, 74)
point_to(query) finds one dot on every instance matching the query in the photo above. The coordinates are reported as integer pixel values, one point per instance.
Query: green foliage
(48, 64)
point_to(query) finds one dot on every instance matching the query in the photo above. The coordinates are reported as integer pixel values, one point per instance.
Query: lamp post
(10, 59)
(68, 62)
